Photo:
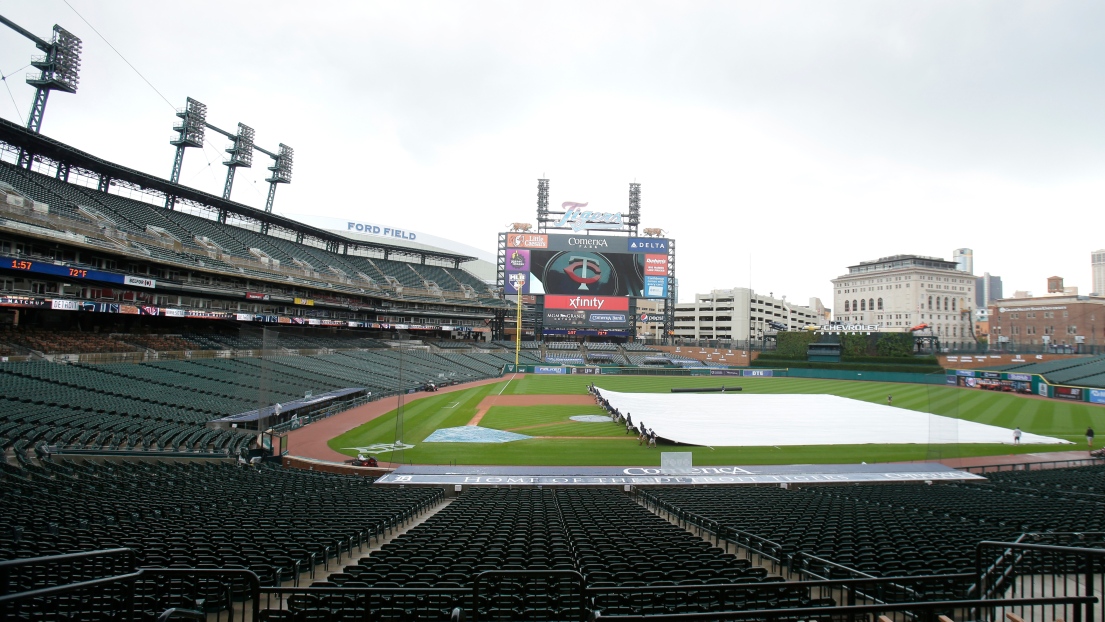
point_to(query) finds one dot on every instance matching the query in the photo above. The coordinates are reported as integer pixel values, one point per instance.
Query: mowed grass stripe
(504, 417)
(605, 444)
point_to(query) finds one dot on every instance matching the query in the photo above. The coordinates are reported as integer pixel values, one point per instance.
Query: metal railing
(988, 610)
(1030, 466)
(216, 593)
(231, 594)
(1041, 570)
(25, 574)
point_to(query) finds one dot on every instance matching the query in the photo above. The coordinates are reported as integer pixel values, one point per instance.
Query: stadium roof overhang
(42, 146)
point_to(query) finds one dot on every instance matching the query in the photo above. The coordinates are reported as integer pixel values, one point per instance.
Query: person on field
(1089, 437)
(1017, 435)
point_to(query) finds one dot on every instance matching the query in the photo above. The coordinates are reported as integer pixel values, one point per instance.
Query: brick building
(1067, 322)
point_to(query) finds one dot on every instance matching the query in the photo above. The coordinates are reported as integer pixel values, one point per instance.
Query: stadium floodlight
(192, 126)
(282, 167)
(58, 69)
(542, 204)
(281, 172)
(634, 207)
(241, 154)
(190, 133)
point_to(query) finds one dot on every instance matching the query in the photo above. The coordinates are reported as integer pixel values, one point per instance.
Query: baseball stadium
(212, 411)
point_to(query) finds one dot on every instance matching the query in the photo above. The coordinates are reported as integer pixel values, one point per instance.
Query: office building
(1097, 260)
(735, 314)
(987, 290)
(903, 291)
(964, 259)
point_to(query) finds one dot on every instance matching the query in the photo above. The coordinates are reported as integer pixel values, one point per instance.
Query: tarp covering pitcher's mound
(744, 420)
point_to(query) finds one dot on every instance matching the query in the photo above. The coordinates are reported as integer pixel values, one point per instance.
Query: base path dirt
(311, 440)
(529, 400)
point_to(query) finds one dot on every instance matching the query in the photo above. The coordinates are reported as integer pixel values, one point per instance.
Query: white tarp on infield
(737, 420)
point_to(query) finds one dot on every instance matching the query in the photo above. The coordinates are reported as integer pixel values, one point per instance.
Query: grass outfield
(560, 441)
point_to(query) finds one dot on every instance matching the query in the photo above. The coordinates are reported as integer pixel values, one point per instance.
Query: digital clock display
(45, 267)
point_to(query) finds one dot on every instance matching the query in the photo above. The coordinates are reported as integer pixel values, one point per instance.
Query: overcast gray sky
(807, 136)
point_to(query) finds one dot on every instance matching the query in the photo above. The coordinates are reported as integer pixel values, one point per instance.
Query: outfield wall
(870, 376)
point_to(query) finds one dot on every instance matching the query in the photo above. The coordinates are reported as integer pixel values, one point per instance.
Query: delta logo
(646, 245)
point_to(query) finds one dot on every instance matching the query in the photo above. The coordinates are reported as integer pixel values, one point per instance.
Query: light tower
(634, 208)
(543, 217)
(281, 172)
(241, 154)
(58, 70)
(190, 133)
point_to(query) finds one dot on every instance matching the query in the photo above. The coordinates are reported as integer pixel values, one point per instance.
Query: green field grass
(560, 441)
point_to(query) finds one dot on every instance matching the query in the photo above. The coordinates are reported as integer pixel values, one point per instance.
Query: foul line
(483, 411)
(512, 377)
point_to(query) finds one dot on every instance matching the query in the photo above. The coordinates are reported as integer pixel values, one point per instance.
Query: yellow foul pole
(518, 329)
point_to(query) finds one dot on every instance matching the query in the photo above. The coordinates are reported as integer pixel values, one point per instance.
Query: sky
(776, 142)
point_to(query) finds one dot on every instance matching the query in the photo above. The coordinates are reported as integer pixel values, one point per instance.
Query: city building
(903, 291)
(1065, 322)
(738, 313)
(964, 259)
(1097, 261)
(987, 290)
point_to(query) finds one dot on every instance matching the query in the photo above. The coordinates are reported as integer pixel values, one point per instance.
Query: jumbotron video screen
(587, 279)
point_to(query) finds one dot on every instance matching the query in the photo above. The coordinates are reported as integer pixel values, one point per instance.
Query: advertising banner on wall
(516, 282)
(587, 303)
(656, 265)
(23, 301)
(586, 312)
(540, 369)
(518, 260)
(1097, 396)
(656, 287)
(527, 240)
(648, 245)
(64, 305)
(1067, 393)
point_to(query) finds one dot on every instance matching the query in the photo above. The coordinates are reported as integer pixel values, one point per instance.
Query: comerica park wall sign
(661, 476)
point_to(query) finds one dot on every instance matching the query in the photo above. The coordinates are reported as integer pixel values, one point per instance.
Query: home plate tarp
(749, 420)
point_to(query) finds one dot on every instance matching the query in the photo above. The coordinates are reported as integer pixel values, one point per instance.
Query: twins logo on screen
(583, 270)
(574, 272)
